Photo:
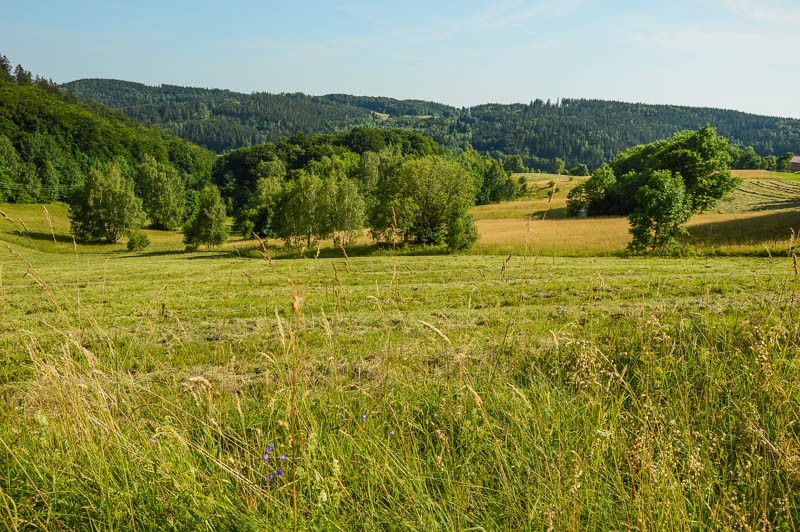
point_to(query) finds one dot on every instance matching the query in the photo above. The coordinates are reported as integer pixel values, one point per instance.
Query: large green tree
(162, 191)
(258, 215)
(106, 208)
(662, 207)
(208, 225)
(698, 159)
(341, 210)
(594, 196)
(298, 214)
(426, 200)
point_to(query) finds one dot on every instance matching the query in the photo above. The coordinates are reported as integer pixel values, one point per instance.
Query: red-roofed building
(794, 165)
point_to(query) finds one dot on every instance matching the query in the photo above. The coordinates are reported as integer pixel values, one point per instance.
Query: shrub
(137, 240)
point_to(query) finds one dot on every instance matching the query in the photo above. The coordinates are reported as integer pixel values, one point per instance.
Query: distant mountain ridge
(575, 130)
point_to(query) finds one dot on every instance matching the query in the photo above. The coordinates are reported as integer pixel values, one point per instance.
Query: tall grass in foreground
(650, 418)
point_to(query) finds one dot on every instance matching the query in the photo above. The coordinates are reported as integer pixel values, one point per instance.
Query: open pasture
(144, 390)
(531, 390)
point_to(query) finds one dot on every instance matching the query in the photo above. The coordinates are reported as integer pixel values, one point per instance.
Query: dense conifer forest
(573, 130)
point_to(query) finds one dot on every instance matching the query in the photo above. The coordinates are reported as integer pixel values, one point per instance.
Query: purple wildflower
(363, 417)
(270, 448)
(279, 472)
(283, 457)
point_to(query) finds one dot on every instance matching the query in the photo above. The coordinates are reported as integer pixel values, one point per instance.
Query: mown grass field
(757, 218)
(536, 391)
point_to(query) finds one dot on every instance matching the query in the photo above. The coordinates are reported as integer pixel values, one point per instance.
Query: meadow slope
(143, 391)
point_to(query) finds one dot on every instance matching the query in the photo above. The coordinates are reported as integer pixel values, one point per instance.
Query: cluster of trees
(399, 184)
(571, 130)
(659, 186)
(747, 158)
(118, 198)
(119, 176)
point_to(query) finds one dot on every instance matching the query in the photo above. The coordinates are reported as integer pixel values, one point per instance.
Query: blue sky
(736, 54)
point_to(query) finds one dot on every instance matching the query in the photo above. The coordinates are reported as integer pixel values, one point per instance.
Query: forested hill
(49, 142)
(222, 120)
(575, 130)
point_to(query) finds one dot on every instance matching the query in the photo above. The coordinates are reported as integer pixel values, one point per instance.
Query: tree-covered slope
(49, 141)
(222, 120)
(575, 130)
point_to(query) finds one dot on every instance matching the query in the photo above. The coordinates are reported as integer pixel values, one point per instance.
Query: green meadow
(224, 389)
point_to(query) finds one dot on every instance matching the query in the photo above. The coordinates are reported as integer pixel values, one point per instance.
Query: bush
(462, 233)
(138, 240)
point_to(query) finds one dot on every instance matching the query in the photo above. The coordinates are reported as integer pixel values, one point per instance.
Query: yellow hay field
(572, 236)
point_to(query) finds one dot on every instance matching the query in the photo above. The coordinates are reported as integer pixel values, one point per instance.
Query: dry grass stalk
(527, 237)
(503, 270)
(439, 333)
(394, 230)
(264, 253)
(338, 290)
(281, 332)
(25, 227)
(344, 252)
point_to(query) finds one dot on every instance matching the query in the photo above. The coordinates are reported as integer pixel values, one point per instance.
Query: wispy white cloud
(719, 43)
(771, 11)
(490, 24)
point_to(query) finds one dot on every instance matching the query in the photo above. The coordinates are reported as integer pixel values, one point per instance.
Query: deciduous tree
(662, 207)
(208, 224)
(162, 191)
(106, 207)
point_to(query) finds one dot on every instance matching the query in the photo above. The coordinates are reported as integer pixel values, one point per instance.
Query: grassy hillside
(755, 218)
(48, 143)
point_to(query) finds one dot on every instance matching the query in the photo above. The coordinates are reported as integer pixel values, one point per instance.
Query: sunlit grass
(421, 392)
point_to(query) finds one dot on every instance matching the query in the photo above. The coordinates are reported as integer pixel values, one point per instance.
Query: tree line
(399, 184)
(575, 131)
